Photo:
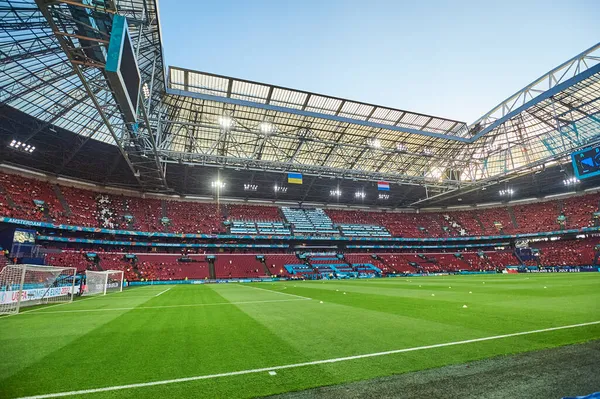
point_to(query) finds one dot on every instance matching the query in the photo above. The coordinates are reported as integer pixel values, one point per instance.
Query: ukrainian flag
(294, 178)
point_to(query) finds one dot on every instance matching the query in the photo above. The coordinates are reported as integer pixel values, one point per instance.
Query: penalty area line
(276, 292)
(296, 365)
(162, 292)
(169, 306)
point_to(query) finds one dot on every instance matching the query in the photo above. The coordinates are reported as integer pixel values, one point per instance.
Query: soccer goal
(103, 282)
(28, 285)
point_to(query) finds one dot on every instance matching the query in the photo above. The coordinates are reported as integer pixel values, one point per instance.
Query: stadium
(169, 232)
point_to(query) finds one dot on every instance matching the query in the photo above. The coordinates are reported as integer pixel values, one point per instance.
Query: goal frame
(44, 298)
(106, 273)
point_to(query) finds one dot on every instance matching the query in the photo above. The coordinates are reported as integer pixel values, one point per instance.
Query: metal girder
(138, 148)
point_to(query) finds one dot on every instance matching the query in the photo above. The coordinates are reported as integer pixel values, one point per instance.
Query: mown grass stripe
(296, 365)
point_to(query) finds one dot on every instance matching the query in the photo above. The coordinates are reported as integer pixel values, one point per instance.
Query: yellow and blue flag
(294, 178)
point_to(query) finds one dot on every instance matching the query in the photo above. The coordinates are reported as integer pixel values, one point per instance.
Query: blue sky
(451, 59)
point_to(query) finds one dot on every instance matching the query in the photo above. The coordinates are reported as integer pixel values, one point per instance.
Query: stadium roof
(49, 71)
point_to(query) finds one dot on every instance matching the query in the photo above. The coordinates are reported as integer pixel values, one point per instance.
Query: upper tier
(76, 206)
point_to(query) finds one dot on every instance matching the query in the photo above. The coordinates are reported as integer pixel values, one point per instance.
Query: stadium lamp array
(335, 193)
(280, 189)
(226, 122)
(506, 192)
(218, 184)
(250, 187)
(383, 196)
(17, 145)
(374, 142)
(360, 194)
(571, 181)
(266, 127)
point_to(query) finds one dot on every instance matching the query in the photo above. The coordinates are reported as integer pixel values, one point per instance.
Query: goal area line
(189, 305)
(297, 365)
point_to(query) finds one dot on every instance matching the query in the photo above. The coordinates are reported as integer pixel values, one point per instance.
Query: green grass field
(190, 331)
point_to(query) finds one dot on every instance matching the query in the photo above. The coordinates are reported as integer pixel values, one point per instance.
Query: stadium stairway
(62, 200)
(9, 199)
(479, 222)
(513, 218)
(212, 274)
(265, 267)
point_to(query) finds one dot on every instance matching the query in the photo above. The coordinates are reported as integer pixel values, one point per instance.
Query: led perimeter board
(586, 162)
(122, 69)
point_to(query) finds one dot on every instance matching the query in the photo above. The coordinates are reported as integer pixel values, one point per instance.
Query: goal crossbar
(29, 285)
(101, 282)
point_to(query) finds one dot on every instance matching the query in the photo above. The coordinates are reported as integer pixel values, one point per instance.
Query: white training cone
(321, 302)
(344, 293)
(464, 306)
(545, 287)
(432, 294)
(470, 292)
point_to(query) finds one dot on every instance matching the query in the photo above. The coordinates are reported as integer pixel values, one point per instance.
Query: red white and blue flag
(383, 186)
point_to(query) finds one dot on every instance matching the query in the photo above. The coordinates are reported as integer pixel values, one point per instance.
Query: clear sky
(455, 59)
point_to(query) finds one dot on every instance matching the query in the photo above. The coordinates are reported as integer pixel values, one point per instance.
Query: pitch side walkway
(552, 373)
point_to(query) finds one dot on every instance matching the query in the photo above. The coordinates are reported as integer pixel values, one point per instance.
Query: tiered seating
(252, 228)
(240, 227)
(146, 213)
(23, 191)
(567, 253)
(501, 259)
(276, 263)
(232, 266)
(194, 217)
(363, 230)
(449, 262)
(70, 259)
(538, 217)
(111, 211)
(579, 210)
(83, 206)
(359, 260)
(309, 221)
(329, 264)
(167, 267)
(490, 216)
(254, 213)
(113, 261)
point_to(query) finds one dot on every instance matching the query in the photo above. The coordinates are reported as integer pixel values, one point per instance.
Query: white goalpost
(103, 282)
(28, 285)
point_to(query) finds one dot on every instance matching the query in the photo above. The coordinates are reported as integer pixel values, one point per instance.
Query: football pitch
(246, 340)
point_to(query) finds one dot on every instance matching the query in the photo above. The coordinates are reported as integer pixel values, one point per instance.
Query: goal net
(103, 282)
(28, 285)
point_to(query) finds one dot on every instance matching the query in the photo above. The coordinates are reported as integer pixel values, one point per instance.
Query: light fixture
(218, 184)
(571, 181)
(226, 122)
(17, 145)
(506, 192)
(360, 194)
(335, 193)
(250, 187)
(146, 90)
(400, 147)
(374, 142)
(266, 127)
(280, 189)
(383, 196)
(428, 152)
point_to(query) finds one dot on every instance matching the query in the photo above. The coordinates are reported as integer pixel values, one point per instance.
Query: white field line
(162, 292)
(80, 300)
(276, 292)
(170, 306)
(296, 365)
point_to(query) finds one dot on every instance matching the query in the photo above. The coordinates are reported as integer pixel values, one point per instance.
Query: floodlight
(226, 122)
(266, 127)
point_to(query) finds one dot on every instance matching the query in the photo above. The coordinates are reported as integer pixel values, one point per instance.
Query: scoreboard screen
(586, 163)
(122, 69)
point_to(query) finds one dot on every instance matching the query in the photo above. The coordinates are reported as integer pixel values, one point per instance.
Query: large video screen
(24, 236)
(586, 163)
